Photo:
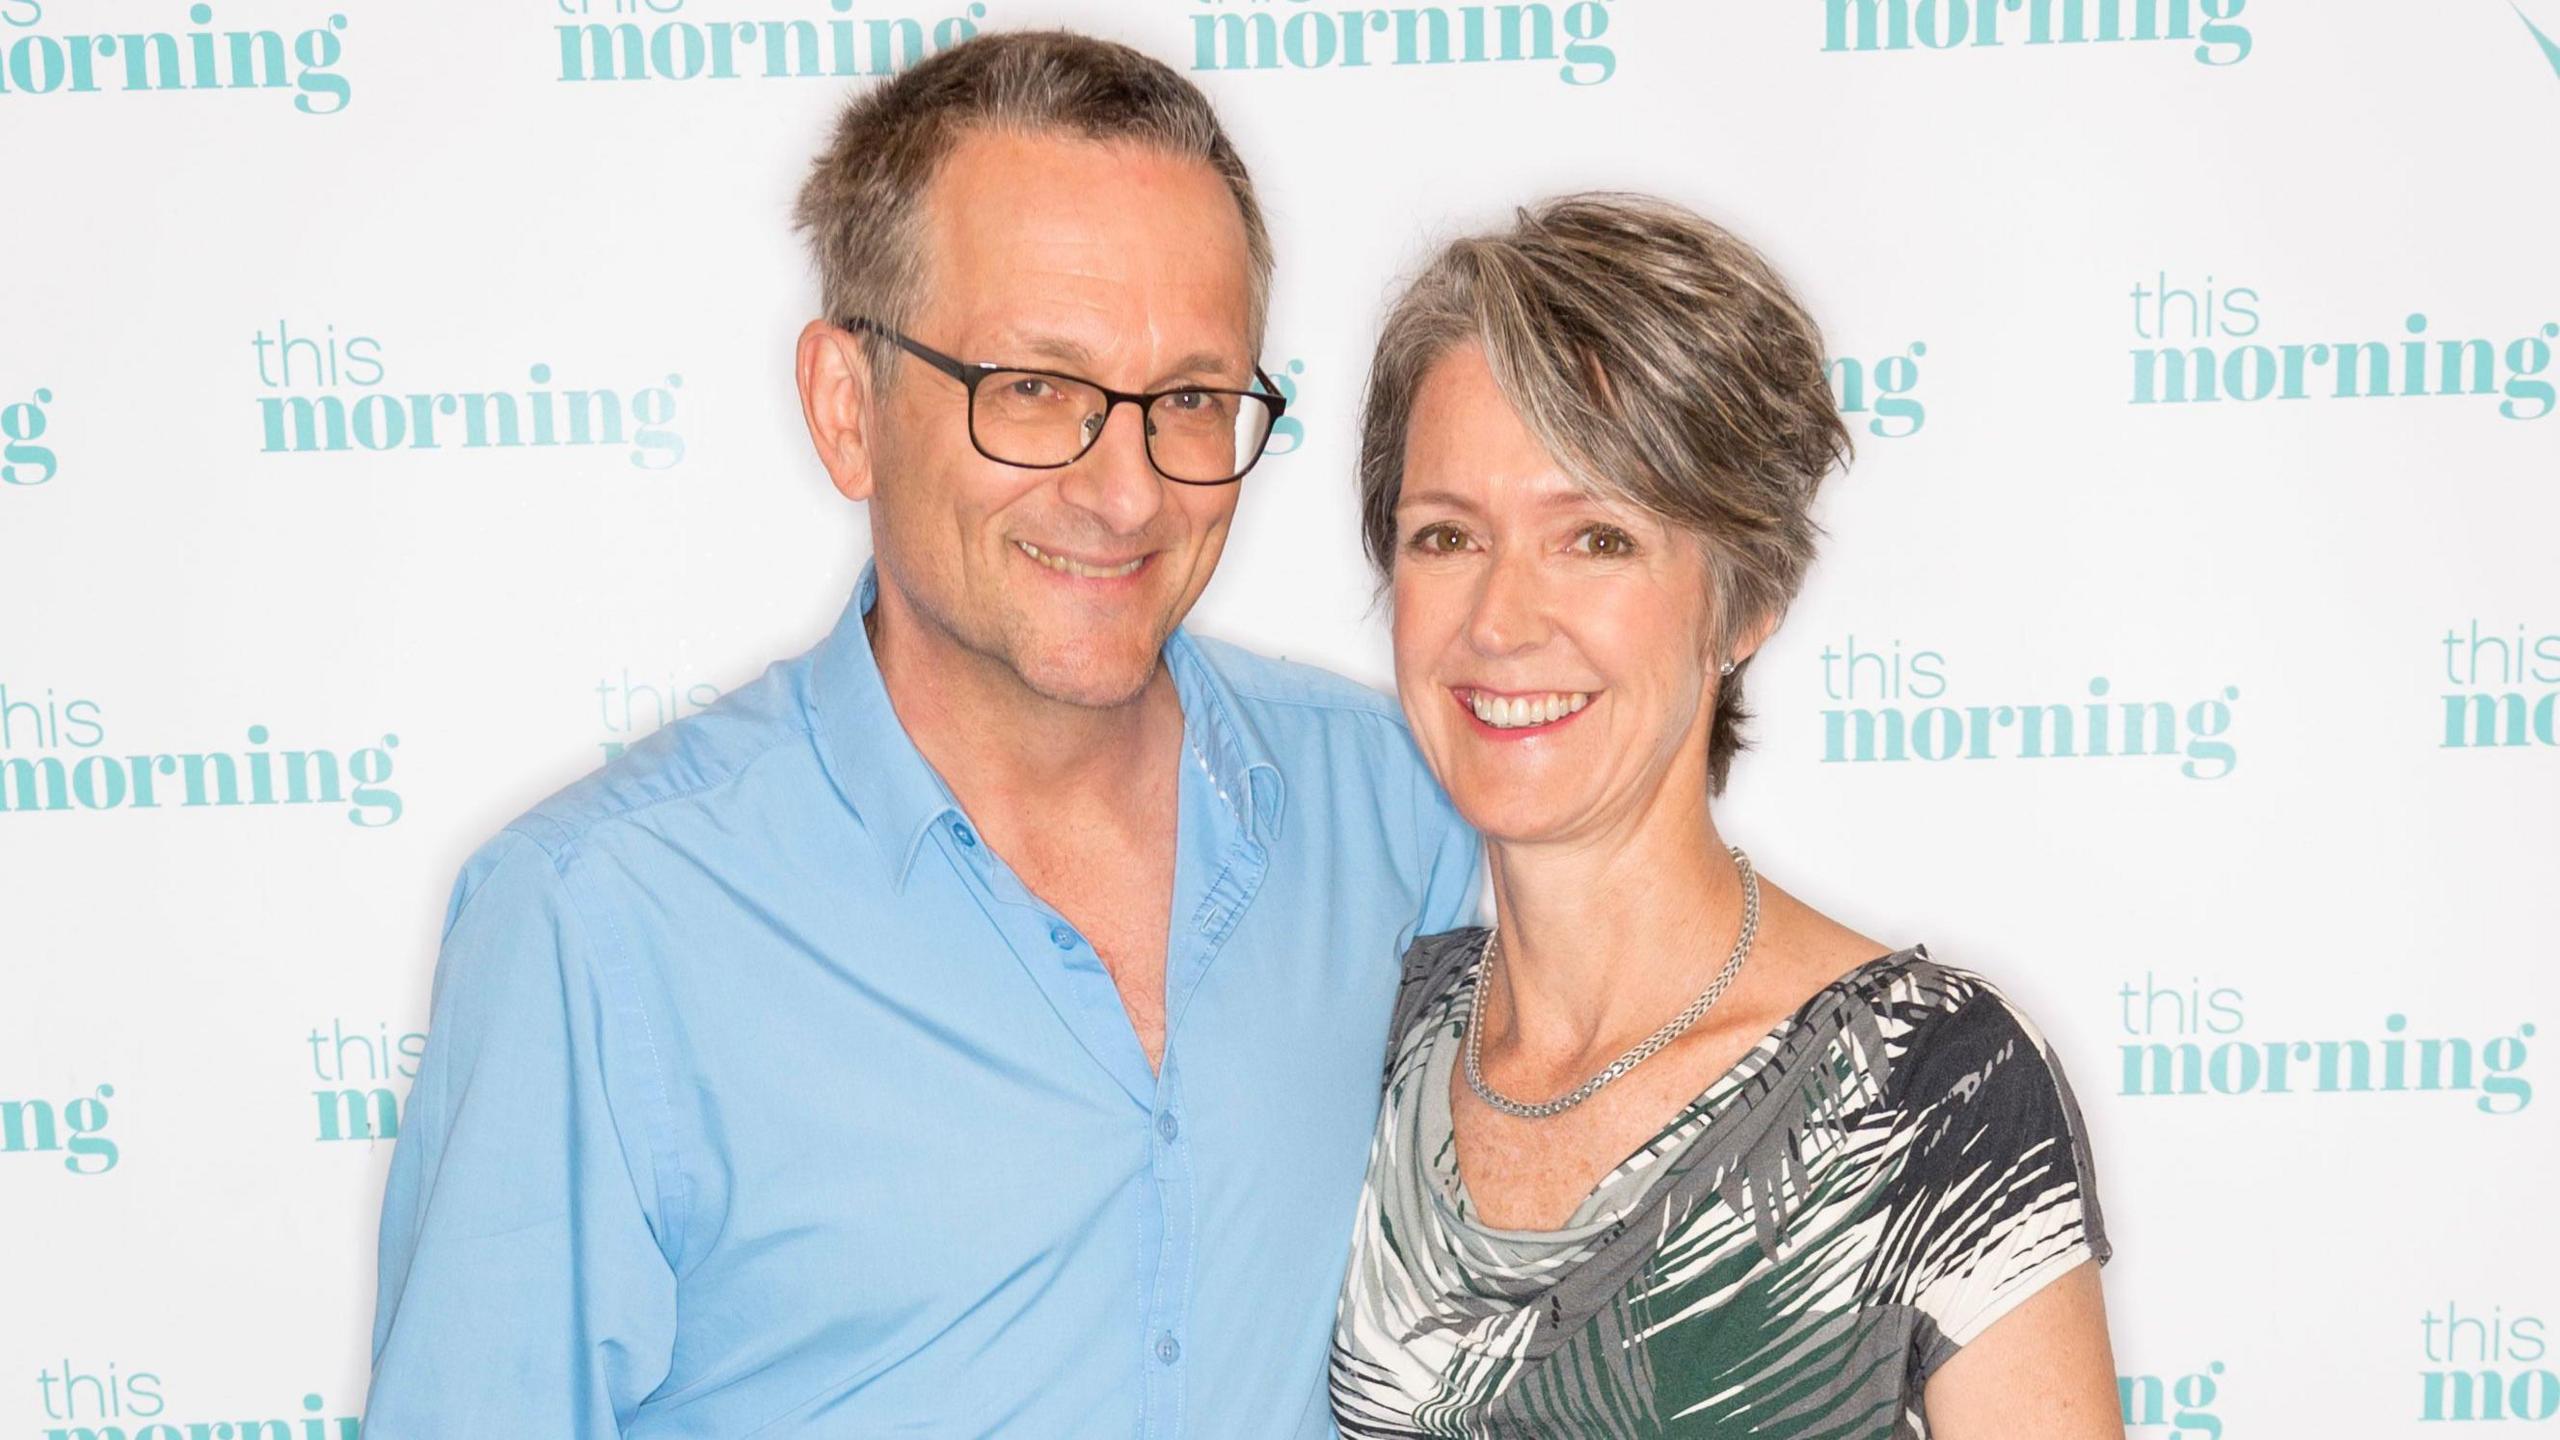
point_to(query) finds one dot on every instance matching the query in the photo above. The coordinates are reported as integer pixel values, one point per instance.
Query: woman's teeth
(1065, 566)
(1516, 711)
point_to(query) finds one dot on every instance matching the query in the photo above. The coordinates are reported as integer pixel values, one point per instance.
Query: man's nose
(1114, 480)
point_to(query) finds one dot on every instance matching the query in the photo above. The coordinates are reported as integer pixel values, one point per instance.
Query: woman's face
(1554, 651)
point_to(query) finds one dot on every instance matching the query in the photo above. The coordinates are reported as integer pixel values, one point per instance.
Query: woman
(1667, 1151)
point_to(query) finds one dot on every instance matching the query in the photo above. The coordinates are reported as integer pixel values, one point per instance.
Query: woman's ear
(1755, 637)
(1748, 640)
(834, 371)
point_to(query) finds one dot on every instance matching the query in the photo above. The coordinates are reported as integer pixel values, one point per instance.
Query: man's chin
(1095, 681)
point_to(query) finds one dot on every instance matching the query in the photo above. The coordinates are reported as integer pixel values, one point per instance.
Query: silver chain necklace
(1642, 1050)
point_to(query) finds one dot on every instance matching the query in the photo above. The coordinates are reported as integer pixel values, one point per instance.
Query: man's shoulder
(692, 760)
(1267, 680)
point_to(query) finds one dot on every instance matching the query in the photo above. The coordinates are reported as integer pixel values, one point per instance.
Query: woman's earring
(1725, 669)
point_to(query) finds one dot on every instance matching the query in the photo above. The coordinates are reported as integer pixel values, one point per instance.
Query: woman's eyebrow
(1449, 498)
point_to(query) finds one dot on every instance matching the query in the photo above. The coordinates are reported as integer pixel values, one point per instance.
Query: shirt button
(1062, 937)
(1168, 1127)
(961, 832)
(1168, 1349)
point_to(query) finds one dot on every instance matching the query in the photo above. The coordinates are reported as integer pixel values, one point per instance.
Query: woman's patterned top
(1890, 1170)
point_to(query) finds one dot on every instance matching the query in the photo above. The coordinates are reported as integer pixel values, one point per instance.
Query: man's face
(1114, 262)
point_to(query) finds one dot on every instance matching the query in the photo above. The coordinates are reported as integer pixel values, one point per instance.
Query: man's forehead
(1000, 186)
(1031, 243)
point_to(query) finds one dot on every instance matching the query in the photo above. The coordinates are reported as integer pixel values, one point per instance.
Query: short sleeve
(1997, 1197)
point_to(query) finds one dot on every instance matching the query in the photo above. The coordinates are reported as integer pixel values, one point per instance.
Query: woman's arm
(2044, 1369)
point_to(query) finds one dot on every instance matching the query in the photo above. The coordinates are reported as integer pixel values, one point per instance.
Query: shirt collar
(866, 751)
(1223, 743)
(898, 797)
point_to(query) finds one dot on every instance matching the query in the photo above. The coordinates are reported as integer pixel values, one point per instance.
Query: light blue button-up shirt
(761, 1098)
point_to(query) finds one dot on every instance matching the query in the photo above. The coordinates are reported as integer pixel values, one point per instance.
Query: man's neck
(1005, 749)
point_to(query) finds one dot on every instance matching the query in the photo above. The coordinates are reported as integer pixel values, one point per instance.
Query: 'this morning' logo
(24, 461)
(2549, 40)
(1289, 431)
(343, 407)
(74, 1128)
(2198, 348)
(659, 42)
(110, 1403)
(1318, 35)
(2163, 1407)
(356, 1071)
(193, 58)
(52, 758)
(629, 709)
(1881, 390)
(2486, 1367)
(2213, 26)
(2188, 1042)
(2492, 677)
(1890, 722)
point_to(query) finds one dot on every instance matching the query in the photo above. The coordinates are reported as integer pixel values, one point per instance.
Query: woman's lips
(1518, 714)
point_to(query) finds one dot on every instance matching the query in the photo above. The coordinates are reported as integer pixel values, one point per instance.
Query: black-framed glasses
(1047, 419)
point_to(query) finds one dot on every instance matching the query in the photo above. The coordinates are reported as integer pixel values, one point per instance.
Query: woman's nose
(1510, 613)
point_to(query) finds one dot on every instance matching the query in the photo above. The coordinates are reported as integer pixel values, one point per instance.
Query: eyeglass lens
(1027, 418)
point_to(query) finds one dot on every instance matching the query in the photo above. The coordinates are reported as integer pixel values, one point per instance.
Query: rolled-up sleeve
(523, 1287)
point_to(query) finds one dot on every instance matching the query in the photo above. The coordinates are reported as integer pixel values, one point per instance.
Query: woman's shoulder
(1923, 1027)
(1999, 1149)
(1950, 1036)
(1433, 966)
(1919, 993)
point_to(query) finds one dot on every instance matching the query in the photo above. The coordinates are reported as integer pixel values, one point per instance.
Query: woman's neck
(1607, 936)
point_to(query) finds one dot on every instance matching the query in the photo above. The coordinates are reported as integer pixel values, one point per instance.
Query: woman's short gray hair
(1661, 361)
(860, 204)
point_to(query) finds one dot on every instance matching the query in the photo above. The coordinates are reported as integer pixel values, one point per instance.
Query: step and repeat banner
(396, 420)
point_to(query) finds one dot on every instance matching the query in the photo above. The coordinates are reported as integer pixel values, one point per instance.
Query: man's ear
(834, 371)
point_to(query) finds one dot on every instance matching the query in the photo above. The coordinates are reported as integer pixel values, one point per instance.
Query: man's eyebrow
(1209, 364)
(1046, 347)
(1073, 355)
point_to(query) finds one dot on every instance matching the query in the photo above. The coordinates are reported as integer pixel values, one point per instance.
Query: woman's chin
(1515, 814)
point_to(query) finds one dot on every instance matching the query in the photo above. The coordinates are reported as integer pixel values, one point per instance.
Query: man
(973, 1026)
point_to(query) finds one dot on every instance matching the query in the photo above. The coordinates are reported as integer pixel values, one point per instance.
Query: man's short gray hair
(1661, 362)
(860, 203)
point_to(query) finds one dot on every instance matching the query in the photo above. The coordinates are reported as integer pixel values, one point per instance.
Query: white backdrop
(2017, 232)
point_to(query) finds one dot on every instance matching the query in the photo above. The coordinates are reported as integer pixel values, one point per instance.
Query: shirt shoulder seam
(1376, 707)
(557, 837)
(1269, 680)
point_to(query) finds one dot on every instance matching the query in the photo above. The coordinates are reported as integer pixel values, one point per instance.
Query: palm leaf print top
(1886, 1173)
